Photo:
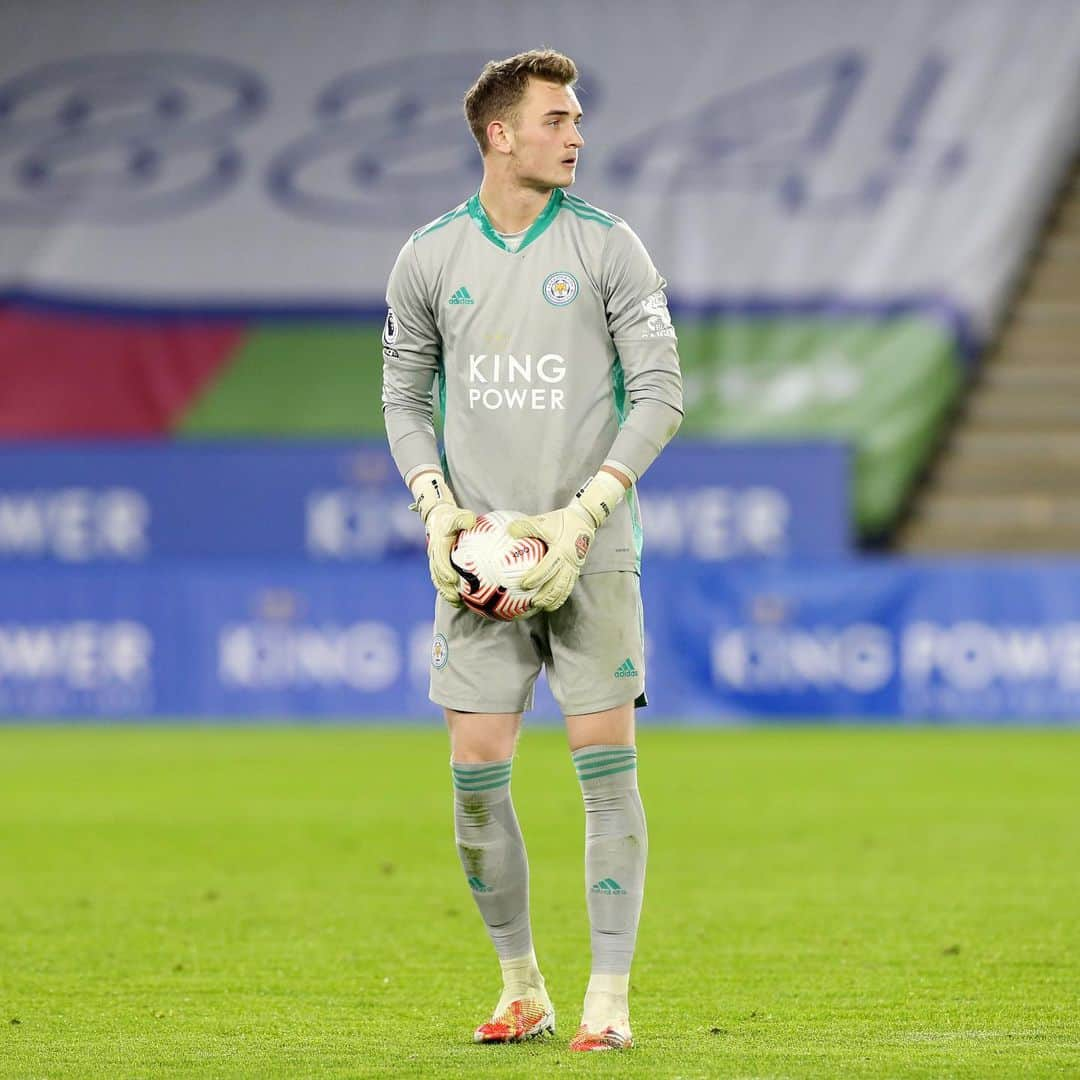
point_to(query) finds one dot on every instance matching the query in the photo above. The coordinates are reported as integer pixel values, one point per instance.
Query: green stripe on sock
(604, 762)
(487, 778)
(603, 759)
(486, 770)
(588, 755)
(482, 787)
(607, 772)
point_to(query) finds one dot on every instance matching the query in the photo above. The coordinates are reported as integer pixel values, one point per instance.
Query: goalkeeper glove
(568, 534)
(443, 519)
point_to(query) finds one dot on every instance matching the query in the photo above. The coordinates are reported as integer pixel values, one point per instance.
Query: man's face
(545, 136)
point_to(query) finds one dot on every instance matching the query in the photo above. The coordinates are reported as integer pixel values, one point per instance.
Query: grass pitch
(194, 902)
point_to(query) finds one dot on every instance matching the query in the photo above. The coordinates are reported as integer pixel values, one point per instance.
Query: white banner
(265, 155)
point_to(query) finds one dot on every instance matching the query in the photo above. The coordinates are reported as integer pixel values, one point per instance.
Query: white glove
(568, 534)
(443, 519)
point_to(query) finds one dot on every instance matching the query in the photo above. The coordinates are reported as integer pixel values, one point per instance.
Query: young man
(546, 328)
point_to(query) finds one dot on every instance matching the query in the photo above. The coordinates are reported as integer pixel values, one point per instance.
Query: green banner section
(882, 385)
(299, 380)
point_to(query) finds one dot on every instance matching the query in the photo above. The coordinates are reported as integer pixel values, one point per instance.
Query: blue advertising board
(960, 641)
(330, 503)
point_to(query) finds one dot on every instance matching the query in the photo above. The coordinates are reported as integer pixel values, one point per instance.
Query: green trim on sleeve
(618, 390)
(639, 533)
(441, 377)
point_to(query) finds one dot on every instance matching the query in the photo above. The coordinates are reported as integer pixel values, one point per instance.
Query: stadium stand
(1008, 475)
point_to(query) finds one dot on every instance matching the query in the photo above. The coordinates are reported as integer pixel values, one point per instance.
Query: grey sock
(493, 853)
(616, 847)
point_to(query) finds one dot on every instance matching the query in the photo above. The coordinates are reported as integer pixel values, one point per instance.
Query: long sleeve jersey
(544, 361)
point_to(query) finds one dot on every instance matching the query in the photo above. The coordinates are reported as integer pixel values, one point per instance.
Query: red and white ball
(491, 564)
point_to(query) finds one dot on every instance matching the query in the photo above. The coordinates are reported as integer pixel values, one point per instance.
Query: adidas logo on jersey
(461, 297)
(626, 670)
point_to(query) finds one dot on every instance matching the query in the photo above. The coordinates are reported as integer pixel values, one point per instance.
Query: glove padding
(568, 534)
(443, 519)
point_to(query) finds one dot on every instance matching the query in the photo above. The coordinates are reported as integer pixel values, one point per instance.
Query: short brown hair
(502, 84)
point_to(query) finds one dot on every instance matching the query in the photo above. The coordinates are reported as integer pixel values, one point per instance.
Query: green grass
(287, 903)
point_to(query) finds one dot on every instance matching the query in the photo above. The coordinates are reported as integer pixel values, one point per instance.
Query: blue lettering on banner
(90, 666)
(333, 503)
(74, 524)
(873, 639)
(963, 640)
(716, 501)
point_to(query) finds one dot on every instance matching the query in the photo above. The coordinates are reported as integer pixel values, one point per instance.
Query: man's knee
(610, 727)
(478, 737)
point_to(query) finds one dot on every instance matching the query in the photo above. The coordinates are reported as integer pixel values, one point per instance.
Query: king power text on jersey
(505, 381)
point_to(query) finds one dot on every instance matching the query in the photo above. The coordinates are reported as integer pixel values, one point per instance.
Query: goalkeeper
(542, 325)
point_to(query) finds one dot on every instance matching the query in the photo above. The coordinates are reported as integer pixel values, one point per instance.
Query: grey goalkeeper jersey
(546, 361)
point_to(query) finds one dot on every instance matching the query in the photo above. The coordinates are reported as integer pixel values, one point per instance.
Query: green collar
(547, 216)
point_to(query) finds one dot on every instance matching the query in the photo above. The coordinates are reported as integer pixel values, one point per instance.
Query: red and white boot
(605, 1020)
(518, 1018)
(524, 1010)
(611, 1038)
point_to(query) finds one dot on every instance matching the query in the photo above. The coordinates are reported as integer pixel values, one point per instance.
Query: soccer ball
(491, 564)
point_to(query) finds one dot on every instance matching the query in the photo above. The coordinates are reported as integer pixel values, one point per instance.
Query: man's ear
(500, 137)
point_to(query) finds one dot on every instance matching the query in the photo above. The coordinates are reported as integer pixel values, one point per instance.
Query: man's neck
(511, 208)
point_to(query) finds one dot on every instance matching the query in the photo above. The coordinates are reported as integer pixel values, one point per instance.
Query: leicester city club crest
(560, 288)
(439, 652)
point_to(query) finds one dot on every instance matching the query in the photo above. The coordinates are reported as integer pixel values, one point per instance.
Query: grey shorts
(592, 648)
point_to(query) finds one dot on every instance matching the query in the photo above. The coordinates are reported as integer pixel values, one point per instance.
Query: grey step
(1062, 313)
(1032, 446)
(1005, 384)
(1023, 376)
(1016, 350)
(1068, 229)
(1062, 248)
(956, 539)
(1067, 220)
(980, 511)
(965, 475)
(1048, 321)
(1039, 523)
(1041, 336)
(1012, 409)
(1057, 280)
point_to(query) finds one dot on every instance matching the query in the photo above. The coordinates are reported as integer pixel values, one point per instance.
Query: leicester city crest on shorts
(560, 288)
(440, 653)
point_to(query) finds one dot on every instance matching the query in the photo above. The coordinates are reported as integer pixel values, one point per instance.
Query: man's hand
(568, 534)
(443, 519)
